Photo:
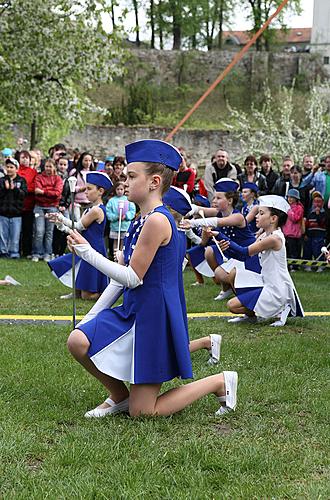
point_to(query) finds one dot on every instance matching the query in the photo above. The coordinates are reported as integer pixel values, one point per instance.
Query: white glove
(110, 295)
(208, 222)
(67, 222)
(193, 237)
(194, 210)
(123, 274)
(62, 227)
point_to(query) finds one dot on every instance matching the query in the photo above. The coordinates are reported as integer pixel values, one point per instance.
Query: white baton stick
(225, 259)
(121, 205)
(72, 183)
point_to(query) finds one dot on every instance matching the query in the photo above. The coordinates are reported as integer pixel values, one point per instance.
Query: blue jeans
(312, 247)
(43, 232)
(10, 231)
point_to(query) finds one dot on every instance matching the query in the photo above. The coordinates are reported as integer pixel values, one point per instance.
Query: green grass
(276, 444)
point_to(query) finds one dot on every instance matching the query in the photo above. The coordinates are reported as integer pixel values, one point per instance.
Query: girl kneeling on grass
(145, 340)
(274, 293)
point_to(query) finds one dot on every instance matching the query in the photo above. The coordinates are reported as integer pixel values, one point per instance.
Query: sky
(305, 20)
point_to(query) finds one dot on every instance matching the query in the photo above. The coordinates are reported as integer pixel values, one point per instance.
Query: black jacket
(11, 200)
(271, 178)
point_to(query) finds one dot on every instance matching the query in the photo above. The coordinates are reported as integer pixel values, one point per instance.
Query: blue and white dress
(274, 289)
(246, 209)
(145, 340)
(87, 277)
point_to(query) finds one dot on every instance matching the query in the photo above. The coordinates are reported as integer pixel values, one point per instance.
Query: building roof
(294, 35)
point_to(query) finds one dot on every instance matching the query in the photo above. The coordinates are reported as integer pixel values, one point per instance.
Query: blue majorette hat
(153, 151)
(251, 185)
(178, 200)
(100, 179)
(226, 185)
(202, 200)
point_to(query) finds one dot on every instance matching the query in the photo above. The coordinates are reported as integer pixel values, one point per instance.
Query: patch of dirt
(223, 429)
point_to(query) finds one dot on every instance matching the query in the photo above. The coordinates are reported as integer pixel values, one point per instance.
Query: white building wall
(321, 30)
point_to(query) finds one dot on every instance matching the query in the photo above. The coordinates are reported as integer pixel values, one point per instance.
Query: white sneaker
(114, 408)
(241, 319)
(230, 398)
(197, 284)
(223, 295)
(67, 296)
(12, 281)
(47, 258)
(215, 349)
(320, 269)
(35, 259)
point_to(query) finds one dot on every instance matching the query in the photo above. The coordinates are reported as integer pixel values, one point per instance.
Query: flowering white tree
(51, 52)
(273, 127)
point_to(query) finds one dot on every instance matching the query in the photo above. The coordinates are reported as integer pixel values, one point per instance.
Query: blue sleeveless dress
(87, 277)
(145, 340)
(246, 210)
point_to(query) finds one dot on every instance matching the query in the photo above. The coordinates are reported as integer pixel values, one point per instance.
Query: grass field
(276, 444)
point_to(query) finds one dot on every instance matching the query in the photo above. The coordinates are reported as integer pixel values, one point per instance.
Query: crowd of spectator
(32, 186)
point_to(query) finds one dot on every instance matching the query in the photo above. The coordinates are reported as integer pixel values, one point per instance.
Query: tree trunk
(152, 24)
(137, 27)
(113, 16)
(33, 134)
(160, 24)
(177, 28)
(220, 24)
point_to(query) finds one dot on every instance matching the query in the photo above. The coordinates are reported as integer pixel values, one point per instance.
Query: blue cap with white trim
(100, 179)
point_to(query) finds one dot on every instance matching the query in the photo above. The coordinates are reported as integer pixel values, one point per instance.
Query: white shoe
(47, 258)
(320, 269)
(241, 319)
(223, 295)
(230, 398)
(197, 284)
(114, 408)
(35, 259)
(12, 281)
(67, 296)
(215, 349)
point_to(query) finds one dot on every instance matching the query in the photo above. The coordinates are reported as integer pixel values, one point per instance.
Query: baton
(72, 183)
(121, 205)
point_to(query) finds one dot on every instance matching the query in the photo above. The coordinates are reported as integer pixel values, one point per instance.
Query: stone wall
(102, 141)
(196, 67)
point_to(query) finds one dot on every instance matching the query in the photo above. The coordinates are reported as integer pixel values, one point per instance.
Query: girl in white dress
(272, 294)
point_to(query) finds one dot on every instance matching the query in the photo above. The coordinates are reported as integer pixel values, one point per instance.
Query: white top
(278, 288)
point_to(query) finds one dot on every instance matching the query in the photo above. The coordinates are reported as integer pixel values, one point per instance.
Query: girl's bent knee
(77, 342)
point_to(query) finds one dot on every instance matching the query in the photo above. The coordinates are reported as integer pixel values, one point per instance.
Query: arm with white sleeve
(125, 275)
(110, 295)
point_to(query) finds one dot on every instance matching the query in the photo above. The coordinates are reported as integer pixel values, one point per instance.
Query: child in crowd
(293, 228)
(90, 283)
(234, 225)
(250, 204)
(84, 165)
(315, 227)
(48, 190)
(13, 190)
(272, 293)
(145, 340)
(118, 207)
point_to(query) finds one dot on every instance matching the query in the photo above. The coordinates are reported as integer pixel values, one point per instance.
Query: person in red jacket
(29, 174)
(48, 190)
(293, 228)
(185, 177)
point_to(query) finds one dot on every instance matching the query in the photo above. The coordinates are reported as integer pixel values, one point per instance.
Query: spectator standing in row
(315, 229)
(252, 175)
(84, 165)
(185, 178)
(296, 182)
(293, 228)
(321, 183)
(29, 175)
(265, 163)
(13, 190)
(48, 190)
(282, 185)
(218, 169)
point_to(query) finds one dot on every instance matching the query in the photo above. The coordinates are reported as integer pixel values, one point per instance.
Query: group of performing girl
(144, 342)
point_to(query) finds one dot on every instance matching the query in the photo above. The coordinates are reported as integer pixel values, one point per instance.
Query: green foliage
(47, 66)
(274, 127)
(6, 135)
